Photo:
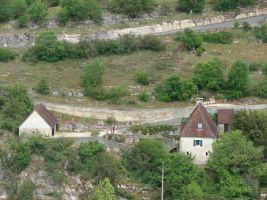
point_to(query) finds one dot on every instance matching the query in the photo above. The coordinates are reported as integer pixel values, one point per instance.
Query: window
(207, 153)
(199, 125)
(197, 143)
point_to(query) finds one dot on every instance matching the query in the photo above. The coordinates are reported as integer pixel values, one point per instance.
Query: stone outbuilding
(198, 134)
(224, 119)
(40, 121)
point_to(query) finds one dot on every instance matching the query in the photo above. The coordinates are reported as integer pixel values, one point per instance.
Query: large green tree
(15, 106)
(237, 165)
(209, 75)
(238, 80)
(195, 6)
(253, 124)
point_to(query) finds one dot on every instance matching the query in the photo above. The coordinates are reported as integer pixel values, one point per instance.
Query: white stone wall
(35, 124)
(198, 152)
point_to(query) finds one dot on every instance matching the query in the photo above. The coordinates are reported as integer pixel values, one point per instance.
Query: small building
(224, 119)
(197, 135)
(40, 121)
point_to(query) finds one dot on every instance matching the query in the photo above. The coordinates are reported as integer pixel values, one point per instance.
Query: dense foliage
(104, 191)
(238, 80)
(38, 11)
(43, 87)
(221, 37)
(15, 106)
(253, 124)
(261, 32)
(78, 10)
(141, 78)
(132, 8)
(225, 5)
(196, 6)
(175, 89)
(6, 55)
(190, 39)
(209, 75)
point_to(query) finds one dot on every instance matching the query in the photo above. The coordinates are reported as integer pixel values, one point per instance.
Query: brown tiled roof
(225, 116)
(199, 115)
(46, 115)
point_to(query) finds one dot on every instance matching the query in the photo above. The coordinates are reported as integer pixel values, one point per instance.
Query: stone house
(40, 121)
(224, 119)
(198, 134)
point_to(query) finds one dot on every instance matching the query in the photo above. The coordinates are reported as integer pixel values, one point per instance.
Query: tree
(43, 87)
(209, 75)
(144, 161)
(237, 165)
(238, 80)
(132, 8)
(195, 6)
(175, 89)
(191, 40)
(112, 122)
(104, 191)
(15, 106)
(253, 124)
(38, 11)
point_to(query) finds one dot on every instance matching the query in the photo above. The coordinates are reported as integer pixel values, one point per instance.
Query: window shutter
(200, 141)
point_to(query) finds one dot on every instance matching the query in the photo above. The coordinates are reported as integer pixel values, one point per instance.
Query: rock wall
(21, 40)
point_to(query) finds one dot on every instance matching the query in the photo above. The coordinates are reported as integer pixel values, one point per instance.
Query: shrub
(153, 43)
(237, 24)
(79, 10)
(43, 87)
(264, 69)
(22, 21)
(132, 8)
(218, 37)
(38, 11)
(93, 74)
(90, 149)
(199, 51)
(209, 75)
(261, 32)
(175, 89)
(143, 96)
(195, 6)
(5, 11)
(256, 66)
(190, 39)
(225, 5)
(142, 78)
(18, 8)
(238, 80)
(26, 190)
(246, 26)
(260, 89)
(7, 55)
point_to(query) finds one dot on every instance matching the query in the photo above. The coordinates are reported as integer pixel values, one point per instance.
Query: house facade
(198, 134)
(224, 119)
(40, 121)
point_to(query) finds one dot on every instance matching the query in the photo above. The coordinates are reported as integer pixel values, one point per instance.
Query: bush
(209, 75)
(38, 11)
(5, 11)
(246, 26)
(6, 55)
(143, 96)
(43, 87)
(261, 32)
(152, 43)
(225, 5)
(78, 10)
(199, 51)
(18, 8)
(142, 78)
(218, 37)
(26, 190)
(237, 24)
(148, 129)
(175, 89)
(195, 6)
(190, 39)
(132, 8)
(22, 21)
(260, 89)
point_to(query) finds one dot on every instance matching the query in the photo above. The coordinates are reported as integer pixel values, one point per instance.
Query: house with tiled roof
(40, 121)
(198, 134)
(224, 119)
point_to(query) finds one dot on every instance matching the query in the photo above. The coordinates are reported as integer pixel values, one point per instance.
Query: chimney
(199, 100)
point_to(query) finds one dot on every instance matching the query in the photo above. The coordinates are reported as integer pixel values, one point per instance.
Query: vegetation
(7, 55)
(142, 78)
(225, 5)
(132, 8)
(221, 37)
(26, 190)
(238, 80)
(261, 32)
(190, 39)
(104, 191)
(15, 106)
(148, 129)
(209, 75)
(253, 124)
(192, 5)
(43, 87)
(38, 11)
(143, 96)
(175, 89)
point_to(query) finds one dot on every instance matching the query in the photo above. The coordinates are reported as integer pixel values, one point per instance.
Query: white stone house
(198, 134)
(40, 121)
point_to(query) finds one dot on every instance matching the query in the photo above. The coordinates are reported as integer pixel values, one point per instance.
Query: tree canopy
(195, 6)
